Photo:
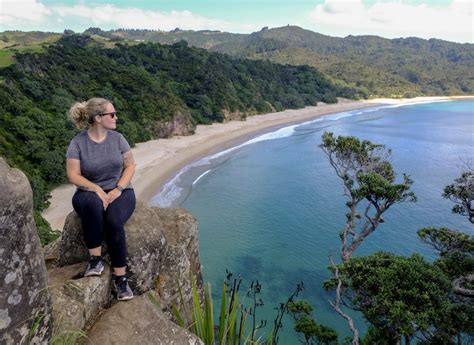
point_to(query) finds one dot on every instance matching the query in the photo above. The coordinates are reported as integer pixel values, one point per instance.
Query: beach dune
(159, 160)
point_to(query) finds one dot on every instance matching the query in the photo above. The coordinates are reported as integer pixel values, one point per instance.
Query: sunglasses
(112, 114)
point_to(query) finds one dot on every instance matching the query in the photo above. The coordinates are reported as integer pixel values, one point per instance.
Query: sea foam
(175, 190)
(172, 192)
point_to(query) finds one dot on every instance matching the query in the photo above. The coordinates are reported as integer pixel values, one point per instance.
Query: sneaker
(95, 267)
(124, 293)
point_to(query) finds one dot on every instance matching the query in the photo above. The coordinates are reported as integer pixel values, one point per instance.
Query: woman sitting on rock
(101, 165)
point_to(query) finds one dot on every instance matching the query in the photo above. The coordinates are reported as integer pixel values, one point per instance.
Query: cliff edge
(43, 292)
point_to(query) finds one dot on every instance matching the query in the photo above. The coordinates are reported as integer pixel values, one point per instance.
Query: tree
(370, 188)
(456, 260)
(398, 295)
(367, 176)
(447, 241)
(313, 332)
(461, 192)
(401, 297)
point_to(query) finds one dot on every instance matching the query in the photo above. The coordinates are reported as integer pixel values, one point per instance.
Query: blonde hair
(83, 113)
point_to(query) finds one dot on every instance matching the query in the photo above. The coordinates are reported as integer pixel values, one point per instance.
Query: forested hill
(154, 87)
(202, 38)
(384, 67)
(403, 67)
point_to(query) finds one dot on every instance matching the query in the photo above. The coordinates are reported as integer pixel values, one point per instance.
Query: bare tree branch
(336, 304)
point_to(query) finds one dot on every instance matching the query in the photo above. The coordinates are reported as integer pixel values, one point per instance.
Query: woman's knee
(127, 199)
(114, 224)
(87, 203)
(121, 210)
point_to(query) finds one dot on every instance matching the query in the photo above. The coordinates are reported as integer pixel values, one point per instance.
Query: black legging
(96, 222)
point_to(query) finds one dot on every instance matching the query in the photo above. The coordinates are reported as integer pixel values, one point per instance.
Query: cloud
(387, 18)
(106, 16)
(112, 16)
(20, 12)
(453, 22)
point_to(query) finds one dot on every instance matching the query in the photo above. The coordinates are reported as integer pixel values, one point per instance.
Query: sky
(450, 20)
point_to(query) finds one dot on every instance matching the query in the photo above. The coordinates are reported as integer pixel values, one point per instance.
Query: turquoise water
(271, 210)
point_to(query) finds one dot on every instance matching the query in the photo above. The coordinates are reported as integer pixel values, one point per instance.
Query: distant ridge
(402, 67)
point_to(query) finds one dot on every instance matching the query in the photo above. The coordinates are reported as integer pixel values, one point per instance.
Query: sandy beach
(159, 160)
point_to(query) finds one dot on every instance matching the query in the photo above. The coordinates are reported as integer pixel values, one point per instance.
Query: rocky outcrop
(140, 322)
(234, 115)
(180, 124)
(25, 306)
(77, 300)
(162, 257)
(180, 260)
(71, 248)
(162, 251)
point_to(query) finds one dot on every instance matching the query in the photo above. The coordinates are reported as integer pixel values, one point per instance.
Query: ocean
(271, 209)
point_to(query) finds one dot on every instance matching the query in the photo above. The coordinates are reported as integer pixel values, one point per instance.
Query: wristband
(120, 188)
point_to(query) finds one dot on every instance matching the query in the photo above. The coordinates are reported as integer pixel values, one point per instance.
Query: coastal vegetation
(238, 322)
(156, 89)
(369, 186)
(400, 297)
(404, 299)
(402, 67)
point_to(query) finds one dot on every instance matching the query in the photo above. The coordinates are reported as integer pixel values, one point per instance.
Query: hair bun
(82, 113)
(78, 114)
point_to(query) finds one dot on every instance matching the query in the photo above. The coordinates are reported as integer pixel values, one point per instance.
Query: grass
(12, 42)
(6, 54)
(68, 337)
(6, 57)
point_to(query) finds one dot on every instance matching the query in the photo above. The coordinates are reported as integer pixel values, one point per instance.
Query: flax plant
(231, 326)
(232, 319)
(232, 316)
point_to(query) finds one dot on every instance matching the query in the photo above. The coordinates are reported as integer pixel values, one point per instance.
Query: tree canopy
(152, 86)
(398, 295)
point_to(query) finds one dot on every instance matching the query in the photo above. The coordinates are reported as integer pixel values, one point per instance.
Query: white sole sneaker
(126, 298)
(94, 273)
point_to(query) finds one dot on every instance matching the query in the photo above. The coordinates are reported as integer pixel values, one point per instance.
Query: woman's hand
(113, 194)
(103, 197)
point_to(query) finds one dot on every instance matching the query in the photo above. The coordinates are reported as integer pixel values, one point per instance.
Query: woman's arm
(129, 169)
(73, 169)
(127, 174)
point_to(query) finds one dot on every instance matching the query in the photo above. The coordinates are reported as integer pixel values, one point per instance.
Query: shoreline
(159, 160)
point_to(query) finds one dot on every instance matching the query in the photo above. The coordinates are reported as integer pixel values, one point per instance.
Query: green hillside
(381, 67)
(150, 84)
(384, 67)
(397, 67)
(206, 39)
(12, 42)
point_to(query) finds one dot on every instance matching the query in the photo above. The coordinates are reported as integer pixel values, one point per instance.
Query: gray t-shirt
(101, 163)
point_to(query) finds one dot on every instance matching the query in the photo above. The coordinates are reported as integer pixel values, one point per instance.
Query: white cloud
(387, 18)
(112, 16)
(19, 12)
(453, 22)
(106, 16)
